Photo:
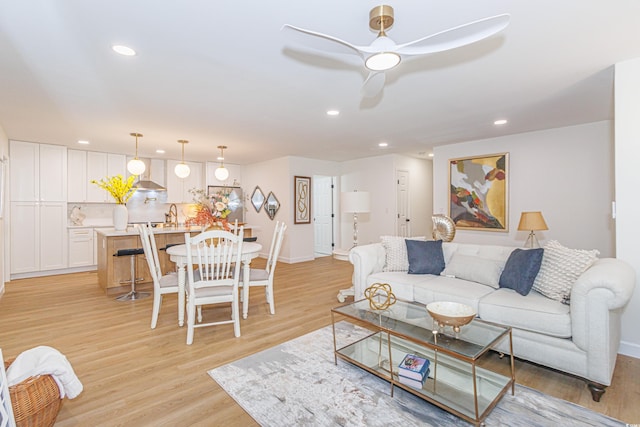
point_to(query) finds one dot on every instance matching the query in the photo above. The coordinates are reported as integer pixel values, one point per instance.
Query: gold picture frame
(478, 192)
(302, 200)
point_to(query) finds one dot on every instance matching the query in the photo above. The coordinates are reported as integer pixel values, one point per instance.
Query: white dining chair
(216, 254)
(162, 284)
(264, 276)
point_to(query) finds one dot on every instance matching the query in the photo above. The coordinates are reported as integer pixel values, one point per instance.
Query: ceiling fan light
(382, 61)
(182, 170)
(222, 173)
(136, 166)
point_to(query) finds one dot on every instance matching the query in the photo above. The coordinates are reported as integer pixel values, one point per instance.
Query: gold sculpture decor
(375, 294)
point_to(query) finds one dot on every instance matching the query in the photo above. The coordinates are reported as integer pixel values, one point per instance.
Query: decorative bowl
(451, 314)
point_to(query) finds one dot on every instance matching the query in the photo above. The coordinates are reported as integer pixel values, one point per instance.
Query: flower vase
(120, 217)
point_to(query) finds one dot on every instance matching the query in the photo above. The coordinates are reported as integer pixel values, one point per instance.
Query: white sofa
(581, 338)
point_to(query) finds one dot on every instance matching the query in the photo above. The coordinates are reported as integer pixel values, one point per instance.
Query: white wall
(4, 154)
(378, 176)
(277, 176)
(567, 173)
(627, 150)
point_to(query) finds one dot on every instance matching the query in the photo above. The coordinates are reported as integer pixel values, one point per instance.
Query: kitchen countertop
(133, 231)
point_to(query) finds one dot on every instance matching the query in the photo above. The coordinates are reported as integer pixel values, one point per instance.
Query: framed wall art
(302, 200)
(478, 190)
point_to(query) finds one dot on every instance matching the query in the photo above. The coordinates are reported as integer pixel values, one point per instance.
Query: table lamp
(532, 221)
(355, 202)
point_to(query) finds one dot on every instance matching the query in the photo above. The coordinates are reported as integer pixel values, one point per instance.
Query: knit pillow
(560, 268)
(396, 252)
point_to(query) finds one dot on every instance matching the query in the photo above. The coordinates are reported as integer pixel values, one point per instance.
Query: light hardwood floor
(136, 376)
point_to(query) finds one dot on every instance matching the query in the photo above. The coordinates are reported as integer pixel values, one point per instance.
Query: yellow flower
(119, 189)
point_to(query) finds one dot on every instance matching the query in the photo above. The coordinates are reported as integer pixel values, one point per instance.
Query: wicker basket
(35, 401)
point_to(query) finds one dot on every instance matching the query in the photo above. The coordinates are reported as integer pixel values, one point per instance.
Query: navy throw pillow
(521, 270)
(425, 257)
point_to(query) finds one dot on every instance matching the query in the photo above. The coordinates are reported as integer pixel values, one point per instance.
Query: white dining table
(178, 254)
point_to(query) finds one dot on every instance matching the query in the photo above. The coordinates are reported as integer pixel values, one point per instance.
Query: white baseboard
(629, 349)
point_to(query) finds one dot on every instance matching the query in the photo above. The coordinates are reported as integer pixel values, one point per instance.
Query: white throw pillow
(560, 269)
(474, 269)
(396, 252)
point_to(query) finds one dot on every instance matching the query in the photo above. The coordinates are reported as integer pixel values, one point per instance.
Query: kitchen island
(114, 273)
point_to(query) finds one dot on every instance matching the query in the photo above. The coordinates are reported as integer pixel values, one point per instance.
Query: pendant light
(182, 170)
(222, 173)
(135, 165)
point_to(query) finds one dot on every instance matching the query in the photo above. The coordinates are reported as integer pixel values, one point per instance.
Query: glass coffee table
(456, 383)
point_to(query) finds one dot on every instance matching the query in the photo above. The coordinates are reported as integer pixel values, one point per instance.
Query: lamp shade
(532, 221)
(182, 170)
(136, 166)
(355, 201)
(221, 173)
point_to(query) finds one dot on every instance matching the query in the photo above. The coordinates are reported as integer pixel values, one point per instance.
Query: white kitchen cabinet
(77, 181)
(85, 166)
(53, 242)
(100, 166)
(81, 247)
(38, 172)
(234, 179)
(38, 236)
(178, 188)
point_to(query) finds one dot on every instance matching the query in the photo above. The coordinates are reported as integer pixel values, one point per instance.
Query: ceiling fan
(383, 53)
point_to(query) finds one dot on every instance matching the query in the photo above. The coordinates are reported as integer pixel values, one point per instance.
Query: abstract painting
(478, 189)
(302, 200)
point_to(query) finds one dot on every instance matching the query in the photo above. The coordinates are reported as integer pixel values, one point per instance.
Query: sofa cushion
(441, 288)
(396, 252)
(521, 270)
(533, 312)
(425, 257)
(560, 268)
(402, 284)
(475, 269)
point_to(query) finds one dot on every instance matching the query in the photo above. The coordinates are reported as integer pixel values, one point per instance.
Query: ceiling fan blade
(320, 41)
(373, 85)
(455, 37)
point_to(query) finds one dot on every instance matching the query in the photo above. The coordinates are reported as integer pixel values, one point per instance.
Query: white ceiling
(217, 72)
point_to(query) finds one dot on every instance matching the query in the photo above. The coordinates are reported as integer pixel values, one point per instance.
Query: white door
(403, 224)
(322, 211)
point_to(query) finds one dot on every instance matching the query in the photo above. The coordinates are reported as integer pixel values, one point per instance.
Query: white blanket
(45, 360)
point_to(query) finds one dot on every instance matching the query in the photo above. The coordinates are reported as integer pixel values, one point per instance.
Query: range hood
(144, 182)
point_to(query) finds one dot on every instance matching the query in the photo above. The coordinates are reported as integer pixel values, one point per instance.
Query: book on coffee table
(413, 383)
(414, 367)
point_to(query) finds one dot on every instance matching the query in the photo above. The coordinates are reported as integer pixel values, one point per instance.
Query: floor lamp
(355, 202)
(532, 221)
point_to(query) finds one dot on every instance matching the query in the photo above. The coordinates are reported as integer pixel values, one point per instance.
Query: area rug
(298, 384)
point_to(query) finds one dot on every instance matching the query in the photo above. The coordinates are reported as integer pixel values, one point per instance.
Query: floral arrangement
(119, 188)
(210, 210)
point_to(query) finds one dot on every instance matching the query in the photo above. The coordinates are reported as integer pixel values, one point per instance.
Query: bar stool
(133, 295)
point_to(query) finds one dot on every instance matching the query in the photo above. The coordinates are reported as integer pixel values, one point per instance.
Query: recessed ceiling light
(500, 122)
(82, 141)
(333, 112)
(123, 50)
(383, 145)
(160, 151)
(430, 154)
